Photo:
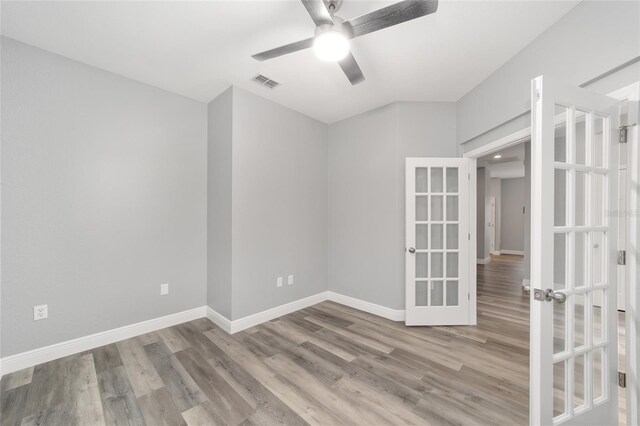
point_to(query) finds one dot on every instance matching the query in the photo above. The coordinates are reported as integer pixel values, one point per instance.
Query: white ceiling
(197, 49)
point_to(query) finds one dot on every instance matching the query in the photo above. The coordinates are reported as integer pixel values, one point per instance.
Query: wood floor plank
(16, 379)
(351, 335)
(182, 387)
(12, 405)
(106, 357)
(46, 390)
(51, 416)
(441, 354)
(307, 335)
(203, 414)
(377, 401)
(289, 392)
(119, 402)
(312, 388)
(232, 408)
(429, 334)
(173, 339)
(143, 376)
(319, 363)
(159, 409)
(82, 395)
(266, 404)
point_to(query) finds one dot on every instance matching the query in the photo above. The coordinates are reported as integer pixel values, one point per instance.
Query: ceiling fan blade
(391, 15)
(283, 50)
(318, 12)
(351, 69)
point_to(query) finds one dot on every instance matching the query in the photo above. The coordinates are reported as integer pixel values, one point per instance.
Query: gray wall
(570, 50)
(219, 189)
(279, 206)
(103, 197)
(483, 209)
(366, 194)
(512, 216)
(496, 191)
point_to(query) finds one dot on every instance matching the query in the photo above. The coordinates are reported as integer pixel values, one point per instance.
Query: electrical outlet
(40, 312)
(164, 289)
(290, 280)
(279, 282)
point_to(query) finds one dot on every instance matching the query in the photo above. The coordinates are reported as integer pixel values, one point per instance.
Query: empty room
(320, 212)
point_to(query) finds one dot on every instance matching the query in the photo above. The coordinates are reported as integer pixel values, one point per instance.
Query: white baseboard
(49, 353)
(269, 314)
(372, 308)
(496, 253)
(219, 320)
(483, 261)
(516, 252)
(264, 316)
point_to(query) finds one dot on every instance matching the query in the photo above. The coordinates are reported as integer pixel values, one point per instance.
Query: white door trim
(631, 94)
(632, 343)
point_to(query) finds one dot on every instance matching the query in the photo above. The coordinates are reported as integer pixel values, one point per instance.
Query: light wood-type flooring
(327, 364)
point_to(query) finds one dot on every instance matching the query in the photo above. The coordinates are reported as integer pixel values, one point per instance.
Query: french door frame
(631, 95)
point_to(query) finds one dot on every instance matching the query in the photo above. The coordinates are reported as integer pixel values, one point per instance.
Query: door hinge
(468, 176)
(468, 296)
(469, 237)
(623, 133)
(622, 379)
(622, 257)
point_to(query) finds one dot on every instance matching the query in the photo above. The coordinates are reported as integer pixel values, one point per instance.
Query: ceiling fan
(331, 40)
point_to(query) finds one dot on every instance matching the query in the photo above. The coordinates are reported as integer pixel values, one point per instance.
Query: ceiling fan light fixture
(331, 46)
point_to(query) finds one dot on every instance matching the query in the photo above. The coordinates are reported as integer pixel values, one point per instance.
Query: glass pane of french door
(581, 244)
(436, 228)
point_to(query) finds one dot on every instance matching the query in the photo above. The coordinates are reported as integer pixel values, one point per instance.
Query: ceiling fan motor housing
(333, 5)
(337, 26)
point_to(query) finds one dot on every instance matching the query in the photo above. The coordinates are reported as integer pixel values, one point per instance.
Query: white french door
(437, 241)
(573, 352)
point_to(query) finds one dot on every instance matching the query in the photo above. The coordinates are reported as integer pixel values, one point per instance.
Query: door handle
(549, 295)
(557, 296)
(412, 250)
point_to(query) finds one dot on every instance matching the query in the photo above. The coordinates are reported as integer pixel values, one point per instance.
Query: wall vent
(265, 81)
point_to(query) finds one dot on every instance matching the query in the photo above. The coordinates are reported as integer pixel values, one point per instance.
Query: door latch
(549, 295)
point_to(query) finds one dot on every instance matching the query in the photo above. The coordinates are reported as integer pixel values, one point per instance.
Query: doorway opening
(502, 268)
